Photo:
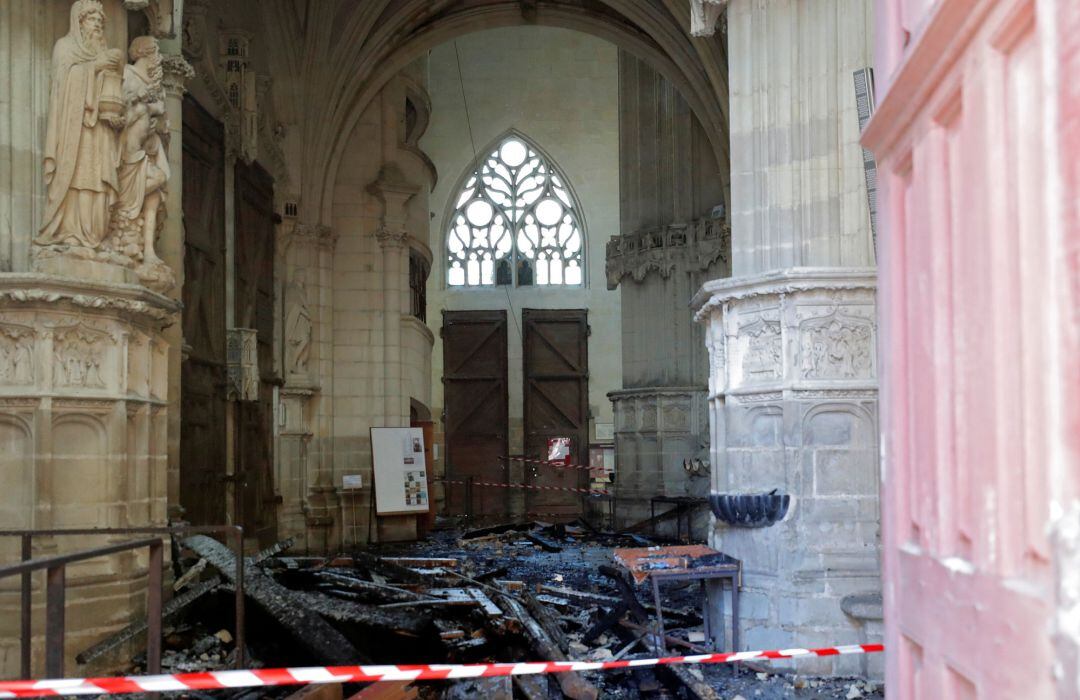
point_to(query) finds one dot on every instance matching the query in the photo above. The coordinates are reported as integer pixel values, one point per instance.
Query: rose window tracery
(515, 222)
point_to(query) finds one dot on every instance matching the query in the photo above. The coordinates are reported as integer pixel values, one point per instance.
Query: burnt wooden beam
(573, 685)
(285, 606)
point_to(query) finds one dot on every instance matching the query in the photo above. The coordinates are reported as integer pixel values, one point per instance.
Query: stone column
(171, 249)
(792, 335)
(394, 191)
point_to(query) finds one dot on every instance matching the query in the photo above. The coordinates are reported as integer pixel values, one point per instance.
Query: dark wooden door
(254, 286)
(556, 393)
(476, 419)
(202, 374)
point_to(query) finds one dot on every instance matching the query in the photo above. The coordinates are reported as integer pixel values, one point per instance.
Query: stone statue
(85, 110)
(144, 164)
(298, 326)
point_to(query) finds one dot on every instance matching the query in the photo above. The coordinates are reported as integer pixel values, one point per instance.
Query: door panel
(556, 393)
(476, 421)
(254, 280)
(202, 375)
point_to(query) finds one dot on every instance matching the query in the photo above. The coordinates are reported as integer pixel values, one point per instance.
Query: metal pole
(468, 497)
(54, 622)
(25, 623)
(239, 636)
(153, 608)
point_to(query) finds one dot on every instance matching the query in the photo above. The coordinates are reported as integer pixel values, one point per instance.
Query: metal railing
(56, 586)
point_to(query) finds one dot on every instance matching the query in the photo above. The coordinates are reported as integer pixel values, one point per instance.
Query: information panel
(400, 470)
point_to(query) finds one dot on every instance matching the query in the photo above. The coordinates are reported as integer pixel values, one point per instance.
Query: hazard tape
(549, 463)
(525, 486)
(313, 675)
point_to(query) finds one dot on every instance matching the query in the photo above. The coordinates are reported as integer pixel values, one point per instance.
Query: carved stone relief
(78, 355)
(16, 354)
(836, 346)
(762, 356)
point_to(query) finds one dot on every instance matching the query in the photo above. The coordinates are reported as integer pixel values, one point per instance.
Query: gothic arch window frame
(518, 219)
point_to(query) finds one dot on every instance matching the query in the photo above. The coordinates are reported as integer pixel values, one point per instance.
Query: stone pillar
(84, 352)
(83, 415)
(394, 191)
(673, 236)
(792, 335)
(660, 414)
(171, 249)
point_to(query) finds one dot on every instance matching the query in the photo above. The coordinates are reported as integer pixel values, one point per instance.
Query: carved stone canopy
(691, 247)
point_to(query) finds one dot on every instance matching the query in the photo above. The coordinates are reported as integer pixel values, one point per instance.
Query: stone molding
(131, 300)
(690, 246)
(780, 282)
(807, 333)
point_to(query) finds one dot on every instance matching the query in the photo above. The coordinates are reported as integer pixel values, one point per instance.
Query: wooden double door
(204, 387)
(555, 390)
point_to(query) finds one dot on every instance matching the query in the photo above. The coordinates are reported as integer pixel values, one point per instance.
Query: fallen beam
(133, 630)
(285, 606)
(573, 685)
(364, 615)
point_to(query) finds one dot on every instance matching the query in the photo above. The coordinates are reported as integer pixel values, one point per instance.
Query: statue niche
(106, 152)
(298, 327)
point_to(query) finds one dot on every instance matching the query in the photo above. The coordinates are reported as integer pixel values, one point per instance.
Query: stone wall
(558, 88)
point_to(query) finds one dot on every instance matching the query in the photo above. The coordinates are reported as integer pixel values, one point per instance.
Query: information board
(400, 471)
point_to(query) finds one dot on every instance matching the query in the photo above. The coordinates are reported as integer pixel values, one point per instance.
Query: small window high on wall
(515, 222)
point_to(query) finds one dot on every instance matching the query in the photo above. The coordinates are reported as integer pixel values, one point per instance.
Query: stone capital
(704, 14)
(391, 238)
(177, 73)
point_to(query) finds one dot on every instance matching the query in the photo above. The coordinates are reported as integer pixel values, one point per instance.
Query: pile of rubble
(509, 593)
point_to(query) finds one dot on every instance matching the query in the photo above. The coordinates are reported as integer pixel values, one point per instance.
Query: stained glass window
(515, 222)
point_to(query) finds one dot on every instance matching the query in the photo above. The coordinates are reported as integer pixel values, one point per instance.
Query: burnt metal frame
(56, 587)
(710, 578)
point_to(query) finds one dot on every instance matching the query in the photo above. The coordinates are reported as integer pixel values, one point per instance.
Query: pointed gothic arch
(514, 220)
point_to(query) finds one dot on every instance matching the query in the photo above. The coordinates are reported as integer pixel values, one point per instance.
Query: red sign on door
(558, 450)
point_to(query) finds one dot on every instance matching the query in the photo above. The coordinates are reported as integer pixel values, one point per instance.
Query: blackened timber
(385, 593)
(283, 605)
(573, 685)
(364, 615)
(542, 542)
(133, 630)
(546, 619)
(390, 570)
(271, 551)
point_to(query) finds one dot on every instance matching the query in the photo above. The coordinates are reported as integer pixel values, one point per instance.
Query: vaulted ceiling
(336, 55)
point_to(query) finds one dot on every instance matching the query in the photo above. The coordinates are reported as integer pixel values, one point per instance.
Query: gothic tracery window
(515, 221)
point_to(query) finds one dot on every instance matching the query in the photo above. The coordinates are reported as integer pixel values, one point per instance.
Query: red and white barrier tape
(557, 465)
(216, 680)
(525, 486)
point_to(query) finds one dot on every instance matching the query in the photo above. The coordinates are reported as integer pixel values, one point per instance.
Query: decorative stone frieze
(693, 246)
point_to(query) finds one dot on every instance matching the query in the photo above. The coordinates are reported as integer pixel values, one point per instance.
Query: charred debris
(512, 592)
